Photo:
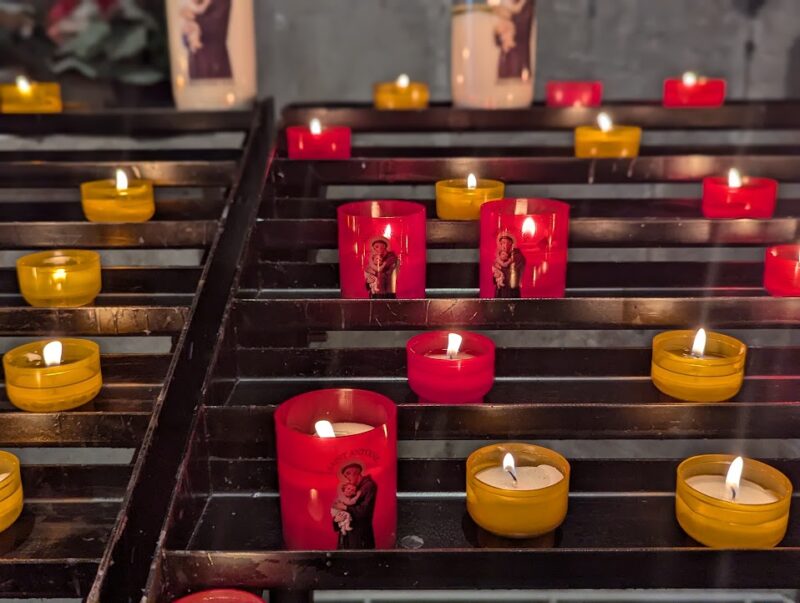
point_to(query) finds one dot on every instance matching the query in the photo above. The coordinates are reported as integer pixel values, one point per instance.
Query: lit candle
(59, 278)
(401, 94)
(517, 490)
(574, 94)
(313, 142)
(728, 502)
(51, 376)
(607, 140)
(782, 270)
(24, 96)
(698, 366)
(326, 429)
(11, 495)
(461, 199)
(739, 197)
(692, 90)
(118, 199)
(450, 368)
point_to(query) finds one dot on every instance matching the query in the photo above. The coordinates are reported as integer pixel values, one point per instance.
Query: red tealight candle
(523, 248)
(337, 470)
(314, 142)
(782, 270)
(739, 197)
(220, 595)
(450, 367)
(693, 91)
(382, 250)
(574, 94)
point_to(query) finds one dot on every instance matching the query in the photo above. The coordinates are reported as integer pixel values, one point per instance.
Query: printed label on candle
(381, 268)
(528, 478)
(508, 266)
(748, 493)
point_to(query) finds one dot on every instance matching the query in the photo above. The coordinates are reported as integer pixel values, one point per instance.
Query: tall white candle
(748, 493)
(528, 478)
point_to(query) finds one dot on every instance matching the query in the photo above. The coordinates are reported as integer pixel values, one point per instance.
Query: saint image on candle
(512, 35)
(508, 266)
(381, 267)
(205, 36)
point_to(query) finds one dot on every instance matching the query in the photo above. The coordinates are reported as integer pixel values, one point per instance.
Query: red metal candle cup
(330, 143)
(574, 94)
(463, 379)
(523, 248)
(782, 270)
(755, 198)
(382, 250)
(321, 478)
(220, 595)
(704, 92)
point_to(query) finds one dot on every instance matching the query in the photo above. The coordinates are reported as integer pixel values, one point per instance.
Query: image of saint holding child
(354, 507)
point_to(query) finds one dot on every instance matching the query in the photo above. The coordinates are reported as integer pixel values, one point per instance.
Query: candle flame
(315, 126)
(324, 429)
(734, 477)
(23, 85)
(699, 345)
(59, 274)
(453, 344)
(604, 122)
(510, 466)
(387, 232)
(734, 178)
(529, 226)
(403, 81)
(472, 182)
(122, 180)
(689, 78)
(52, 353)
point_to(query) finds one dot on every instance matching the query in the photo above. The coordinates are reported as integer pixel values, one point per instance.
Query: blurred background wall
(335, 49)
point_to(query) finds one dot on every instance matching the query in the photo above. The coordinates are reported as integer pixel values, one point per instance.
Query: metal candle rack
(223, 524)
(75, 512)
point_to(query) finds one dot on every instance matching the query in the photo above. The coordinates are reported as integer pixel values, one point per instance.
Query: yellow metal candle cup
(35, 387)
(593, 143)
(456, 201)
(103, 202)
(11, 496)
(714, 377)
(33, 97)
(396, 96)
(516, 513)
(725, 524)
(59, 278)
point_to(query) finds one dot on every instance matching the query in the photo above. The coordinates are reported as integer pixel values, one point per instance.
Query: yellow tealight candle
(732, 503)
(698, 367)
(50, 376)
(118, 200)
(11, 495)
(461, 199)
(606, 140)
(517, 490)
(401, 94)
(59, 278)
(25, 96)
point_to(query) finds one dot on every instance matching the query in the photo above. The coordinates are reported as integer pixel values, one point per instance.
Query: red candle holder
(220, 595)
(462, 377)
(382, 250)
(574, 94)
(693, 91)
(523, 248)
(754, 198)
(314, 142)
(338, 492)
(782, 270)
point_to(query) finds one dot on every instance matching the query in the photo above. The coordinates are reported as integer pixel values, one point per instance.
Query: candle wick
(513, 475)
(733, 494)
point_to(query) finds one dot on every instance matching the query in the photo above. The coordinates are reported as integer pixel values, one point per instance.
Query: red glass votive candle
(220, 595)
(523, 248)
(338, 492)
(574, 94)
(382, 250)
(314, 142)
(782, 270)
(693, 91)
(739, 197)
(450, 367)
